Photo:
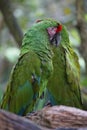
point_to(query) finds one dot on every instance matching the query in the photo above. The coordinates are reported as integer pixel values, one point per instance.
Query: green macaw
(31, 72)
(46, 60)
(64, 84)
(63, 87)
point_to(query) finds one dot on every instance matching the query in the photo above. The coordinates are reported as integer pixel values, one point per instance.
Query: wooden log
(49, 118)
(60, 116)
(9, 121)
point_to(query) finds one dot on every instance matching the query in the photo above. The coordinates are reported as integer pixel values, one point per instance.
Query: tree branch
(9, 121)
(82, 28)
(60, 116)
(6, 9)
(49, 118)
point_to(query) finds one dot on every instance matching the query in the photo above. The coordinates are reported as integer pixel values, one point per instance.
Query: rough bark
(49, 118)
(82, 28)
(10, 20)
(10, 121)
(60, 116)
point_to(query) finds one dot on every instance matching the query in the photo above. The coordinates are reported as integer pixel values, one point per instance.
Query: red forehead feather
(59, 28)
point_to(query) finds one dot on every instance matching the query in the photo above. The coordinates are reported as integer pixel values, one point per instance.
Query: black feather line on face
(56, 39)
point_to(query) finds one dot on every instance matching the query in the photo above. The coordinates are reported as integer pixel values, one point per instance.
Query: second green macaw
(46, 60)
(64, 84)
(63, 87)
